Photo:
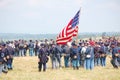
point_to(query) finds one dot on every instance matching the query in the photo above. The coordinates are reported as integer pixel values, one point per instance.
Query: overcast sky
(51, 16)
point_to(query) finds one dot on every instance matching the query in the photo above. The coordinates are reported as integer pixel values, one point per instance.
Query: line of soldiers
(87, 53)
(22, 46)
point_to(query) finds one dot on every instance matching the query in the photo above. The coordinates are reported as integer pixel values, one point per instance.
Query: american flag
(70, 31)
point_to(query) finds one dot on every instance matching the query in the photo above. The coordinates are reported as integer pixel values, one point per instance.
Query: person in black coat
(3, 59)
(10, 55)
(75, 57)
(42, 56)
(115, 55)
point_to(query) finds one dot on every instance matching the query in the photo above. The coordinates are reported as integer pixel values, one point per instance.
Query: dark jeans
(103, 61)
(31, 51)
(59, 60)
(97, 61)
(36, 51)
(9, 63)
(66, 61)
(40, 66)
(89, 63)
(82, 62)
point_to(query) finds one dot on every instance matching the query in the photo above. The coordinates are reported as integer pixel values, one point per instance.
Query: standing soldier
(10, 55)
(31, 48)
(75, 56)
(97, 54)
(25, 47)
(66, 52)
(3, 59)
(36, 48)
(82, 54)
(59, 54)
(118, 51)
(53, 52)
(103, 55)
(21, 47)
(42, 56)
(115, 55)
(16, 48)
(89, 60)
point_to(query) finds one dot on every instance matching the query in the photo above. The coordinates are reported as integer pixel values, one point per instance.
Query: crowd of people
(83, 53)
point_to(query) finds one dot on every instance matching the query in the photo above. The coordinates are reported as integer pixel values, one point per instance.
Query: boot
(39, 70)
(74, 68)
(44, 70)
(77, 68)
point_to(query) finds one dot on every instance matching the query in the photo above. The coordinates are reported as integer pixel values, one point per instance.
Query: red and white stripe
(67, 34)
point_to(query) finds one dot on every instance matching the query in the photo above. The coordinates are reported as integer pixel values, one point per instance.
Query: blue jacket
(66, 50)
(11, 53)
(114, 51)
(3, 54)
(31, 45)
(56, 52)
(43, 53)
(90, 51)
(75, 52)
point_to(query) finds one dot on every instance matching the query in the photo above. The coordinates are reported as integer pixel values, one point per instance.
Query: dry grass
(26, 68)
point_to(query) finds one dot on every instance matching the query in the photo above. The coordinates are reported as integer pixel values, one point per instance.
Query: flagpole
(78, 29)
(77, 38)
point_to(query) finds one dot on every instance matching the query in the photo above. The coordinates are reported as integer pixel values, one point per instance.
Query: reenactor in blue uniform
(66, 53)
(103, 54)
(59, 54)
(16, 48)
(21, 47)
(53, 56)
(36, 47)
(43, 57)
(25, 48)
(118, 51)
(31, 48)
(3, 60)
(115, 55)
(82, 54)
(10, 55)
(75, 56)
(89, 60)
(97, 55)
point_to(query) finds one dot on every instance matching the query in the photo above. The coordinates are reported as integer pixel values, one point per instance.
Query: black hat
(112, 43)
(3, 44)
(74, 44)
(42, 45)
